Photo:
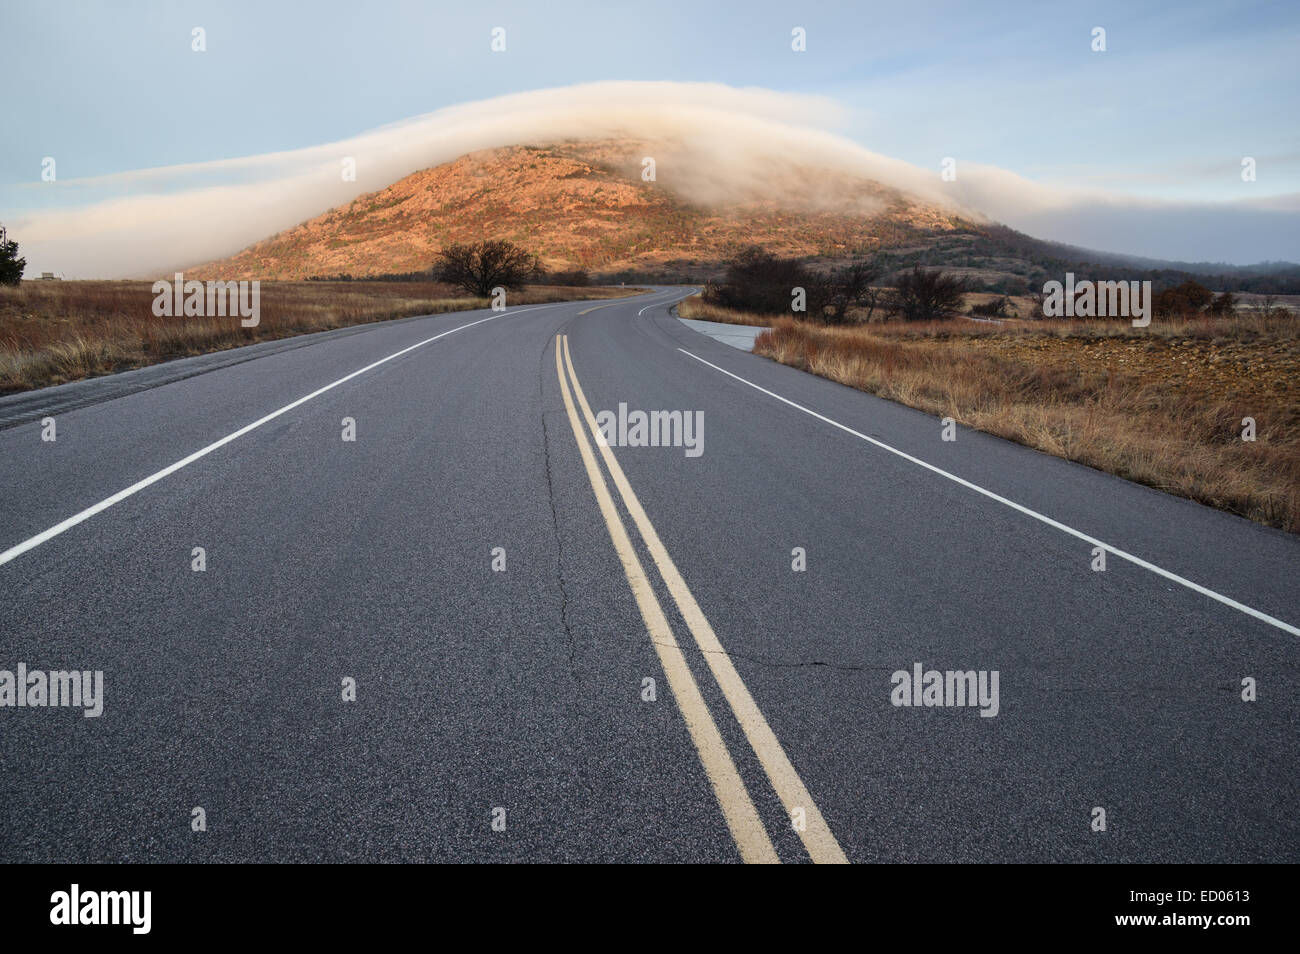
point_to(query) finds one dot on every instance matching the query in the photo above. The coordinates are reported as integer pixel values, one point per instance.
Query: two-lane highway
(566, 650)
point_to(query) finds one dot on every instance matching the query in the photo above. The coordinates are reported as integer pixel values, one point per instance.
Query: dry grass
(52, 332)
(697, 308)
(1161, 406)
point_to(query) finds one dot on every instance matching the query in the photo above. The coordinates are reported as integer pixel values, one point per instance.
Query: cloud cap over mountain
(731, 143)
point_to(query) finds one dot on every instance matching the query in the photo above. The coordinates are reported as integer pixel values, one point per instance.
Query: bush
(11, 266)
(1189, 298)
(759, 281)
(1192, 298)
(997, 308)
(574, 276)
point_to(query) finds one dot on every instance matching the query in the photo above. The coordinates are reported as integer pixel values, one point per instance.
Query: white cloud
(734, 141)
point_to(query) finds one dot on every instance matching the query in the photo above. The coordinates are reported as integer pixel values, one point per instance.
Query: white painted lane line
(665, 301)
(21, 548)
(651, 305)
(1138, 561)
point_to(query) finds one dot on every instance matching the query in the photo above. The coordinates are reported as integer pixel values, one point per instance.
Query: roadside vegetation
(11, 264)
(478, 268)
(758, 281)
(764, 285)
(1163, 405)
(57, 331)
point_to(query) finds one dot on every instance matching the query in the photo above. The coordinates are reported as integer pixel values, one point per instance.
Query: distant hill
(585, 205)
(581, 205)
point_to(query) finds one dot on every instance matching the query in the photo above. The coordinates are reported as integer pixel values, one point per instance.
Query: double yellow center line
(742, 819)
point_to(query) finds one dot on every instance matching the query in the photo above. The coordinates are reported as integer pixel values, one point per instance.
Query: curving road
(648, 678)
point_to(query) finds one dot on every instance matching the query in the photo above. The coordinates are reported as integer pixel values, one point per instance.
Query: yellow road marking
(737, 807)
(597, 308)
(816, 834)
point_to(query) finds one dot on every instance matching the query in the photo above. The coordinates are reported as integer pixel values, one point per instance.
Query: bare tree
(1036, 299)
(479, 267)
(874, 298)
(1225, 303)
(926, 294)
(846, 287)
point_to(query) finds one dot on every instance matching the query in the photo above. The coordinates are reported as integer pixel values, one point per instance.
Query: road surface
(653, 675)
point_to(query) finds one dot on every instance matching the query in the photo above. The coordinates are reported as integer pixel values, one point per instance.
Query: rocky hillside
(585, 205)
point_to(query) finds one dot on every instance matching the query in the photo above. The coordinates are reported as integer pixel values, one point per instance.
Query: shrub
(758, 281)
(576, 276)
(1189, 298)
(997, 308)
(11, 266)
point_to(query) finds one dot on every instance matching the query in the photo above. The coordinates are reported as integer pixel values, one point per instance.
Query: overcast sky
(1151, 132)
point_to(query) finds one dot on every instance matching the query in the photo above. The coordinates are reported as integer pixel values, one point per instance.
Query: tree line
(757, 280)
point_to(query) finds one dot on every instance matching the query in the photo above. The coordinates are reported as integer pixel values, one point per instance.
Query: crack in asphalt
(818, 663)
(779, 664)
(555, 522)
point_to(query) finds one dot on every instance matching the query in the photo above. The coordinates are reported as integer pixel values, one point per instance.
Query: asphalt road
(771, 734)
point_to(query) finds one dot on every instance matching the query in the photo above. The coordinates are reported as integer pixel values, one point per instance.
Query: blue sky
(1182, 93)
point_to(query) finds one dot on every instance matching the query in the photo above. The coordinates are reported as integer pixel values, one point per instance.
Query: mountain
(586, 205)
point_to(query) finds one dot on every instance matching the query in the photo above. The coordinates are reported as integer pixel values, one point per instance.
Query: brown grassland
(1161, 405)
(52, 332)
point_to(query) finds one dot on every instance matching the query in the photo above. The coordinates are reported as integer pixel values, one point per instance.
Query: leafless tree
(926, 294)
(480, 267)
(846, 287)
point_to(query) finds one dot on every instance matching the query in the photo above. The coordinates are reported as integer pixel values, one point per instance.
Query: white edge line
(1204, 591)
(655, 304)
(21, 548)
